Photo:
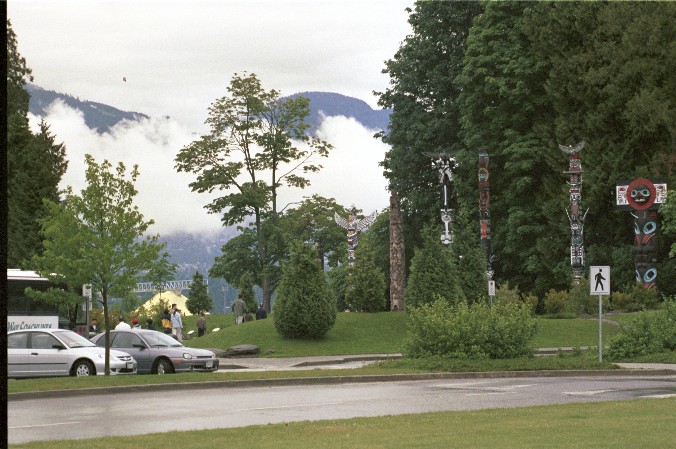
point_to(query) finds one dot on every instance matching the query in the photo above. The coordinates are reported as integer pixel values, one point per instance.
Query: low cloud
(351, 174)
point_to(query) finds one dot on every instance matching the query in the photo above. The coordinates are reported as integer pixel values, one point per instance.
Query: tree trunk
(397, 255)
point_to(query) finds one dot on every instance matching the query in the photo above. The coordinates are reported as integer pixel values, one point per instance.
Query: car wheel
(163, 366)
(83, 368)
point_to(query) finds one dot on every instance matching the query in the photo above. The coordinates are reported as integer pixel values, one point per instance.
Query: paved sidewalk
(244, 364)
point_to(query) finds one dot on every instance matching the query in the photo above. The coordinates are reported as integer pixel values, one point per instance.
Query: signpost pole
(600, 327)
(599, 284)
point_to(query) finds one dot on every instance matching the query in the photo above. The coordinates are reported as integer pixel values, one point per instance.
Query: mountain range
(197, 252)
(102, 117)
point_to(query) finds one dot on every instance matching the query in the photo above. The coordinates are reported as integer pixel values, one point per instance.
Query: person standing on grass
(261, 314)
(176, 323)
(201, 325)
(166, 322)
(239, 309)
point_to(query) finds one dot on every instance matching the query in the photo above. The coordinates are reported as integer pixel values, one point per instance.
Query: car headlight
(187, 356)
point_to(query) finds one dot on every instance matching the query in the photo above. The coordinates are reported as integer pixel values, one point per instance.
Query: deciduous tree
(97, 237)
(256, 145)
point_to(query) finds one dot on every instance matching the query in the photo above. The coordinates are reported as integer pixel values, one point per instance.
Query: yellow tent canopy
(169, 298)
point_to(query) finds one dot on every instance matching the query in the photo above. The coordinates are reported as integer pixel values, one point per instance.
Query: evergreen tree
(434, 274)
(424, 99)
(35, 164)
(365, 284)
(304, 307)
(199, 300)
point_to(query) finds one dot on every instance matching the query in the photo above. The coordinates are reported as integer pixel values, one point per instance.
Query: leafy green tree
(97, 237)
(35, 164)
(304, 307)
(313, 221)
(505, 108)
(246, 289)
(199, 300)
(609, 86)
(252, 136)
(434, 274)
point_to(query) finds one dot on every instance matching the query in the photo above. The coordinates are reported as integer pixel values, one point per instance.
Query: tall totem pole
(484, 211)
(353, 225)
(574, 210)
(642, 197)
(445, 164)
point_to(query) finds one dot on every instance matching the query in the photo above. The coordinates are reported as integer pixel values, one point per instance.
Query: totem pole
(445, 164)
(642, 196)
(484, 211)
(576, 220)
(353, 226)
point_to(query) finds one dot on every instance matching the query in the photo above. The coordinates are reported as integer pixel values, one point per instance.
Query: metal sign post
(599, 284)
(491, 290)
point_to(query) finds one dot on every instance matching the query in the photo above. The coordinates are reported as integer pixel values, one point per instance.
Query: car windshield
(159, 339)
(73, 340)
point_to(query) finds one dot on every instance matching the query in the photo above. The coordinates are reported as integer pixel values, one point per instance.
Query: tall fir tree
(304, 308)
(35, 164)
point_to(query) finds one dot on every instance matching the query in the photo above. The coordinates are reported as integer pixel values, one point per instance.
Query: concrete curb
(333, 380)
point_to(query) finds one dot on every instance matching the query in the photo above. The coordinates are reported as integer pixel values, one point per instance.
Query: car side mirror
(139, 345)
(59, 347)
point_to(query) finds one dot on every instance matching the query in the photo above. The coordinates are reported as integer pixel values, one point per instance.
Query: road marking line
(587, 393)
(45, 425)
(285, 406)
(659, 396)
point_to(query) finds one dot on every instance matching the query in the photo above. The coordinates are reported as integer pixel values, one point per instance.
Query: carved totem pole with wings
(353, 225)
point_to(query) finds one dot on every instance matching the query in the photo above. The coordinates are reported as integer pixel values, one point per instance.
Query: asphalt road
(146, 412)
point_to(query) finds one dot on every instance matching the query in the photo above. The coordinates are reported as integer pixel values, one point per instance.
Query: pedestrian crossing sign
(599, 280)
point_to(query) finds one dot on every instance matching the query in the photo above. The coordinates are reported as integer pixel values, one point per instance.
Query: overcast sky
(179, 56)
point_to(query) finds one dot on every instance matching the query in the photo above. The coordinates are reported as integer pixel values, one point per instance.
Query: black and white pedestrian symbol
(599, 280)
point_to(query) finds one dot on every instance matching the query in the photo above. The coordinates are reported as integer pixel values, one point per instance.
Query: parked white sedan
(60, 352)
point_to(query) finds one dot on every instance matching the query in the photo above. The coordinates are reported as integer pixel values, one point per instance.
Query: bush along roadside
(474, 331)
(646, 334)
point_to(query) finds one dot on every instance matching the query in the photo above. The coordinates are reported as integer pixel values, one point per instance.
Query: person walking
(261, 314)
(150, 325)
(122, 325)
(239, 309)
(176, 323)
(201, 325)
(166, 322)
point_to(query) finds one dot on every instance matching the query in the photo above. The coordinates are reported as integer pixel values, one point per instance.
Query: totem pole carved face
(640, 194)
(645, 237)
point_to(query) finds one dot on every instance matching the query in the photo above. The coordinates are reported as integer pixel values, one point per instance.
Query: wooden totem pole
(445, 164)
(353, 225)
(484, 211)
(642, 197)
(574, 210)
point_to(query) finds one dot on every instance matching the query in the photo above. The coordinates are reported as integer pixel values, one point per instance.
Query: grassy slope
(371, 333)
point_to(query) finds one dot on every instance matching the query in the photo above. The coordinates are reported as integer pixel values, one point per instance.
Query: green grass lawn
(645, 423)
(371, 333)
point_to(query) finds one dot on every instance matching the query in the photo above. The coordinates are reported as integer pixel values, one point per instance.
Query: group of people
(173, 324)
(241, 311)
